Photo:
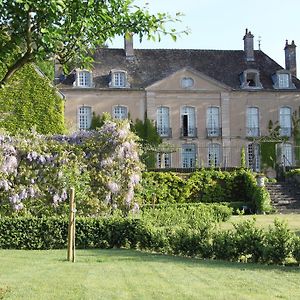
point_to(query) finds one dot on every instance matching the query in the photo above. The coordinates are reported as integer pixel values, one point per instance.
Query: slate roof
(151, 65)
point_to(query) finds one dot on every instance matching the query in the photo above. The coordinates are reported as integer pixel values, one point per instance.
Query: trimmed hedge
(204, 186)
(245, 242)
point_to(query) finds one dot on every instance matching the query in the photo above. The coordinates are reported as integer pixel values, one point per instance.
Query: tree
(34, 30)
(149, 139)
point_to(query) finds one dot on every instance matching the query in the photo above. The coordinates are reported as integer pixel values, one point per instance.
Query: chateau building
(209, 104)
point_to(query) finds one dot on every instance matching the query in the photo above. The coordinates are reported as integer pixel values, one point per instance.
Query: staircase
(285, 197)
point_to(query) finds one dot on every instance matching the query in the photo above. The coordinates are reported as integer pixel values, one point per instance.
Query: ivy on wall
(268, 154)
(30, 101)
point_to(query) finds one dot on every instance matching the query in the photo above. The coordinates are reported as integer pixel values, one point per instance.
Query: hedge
(245, 242)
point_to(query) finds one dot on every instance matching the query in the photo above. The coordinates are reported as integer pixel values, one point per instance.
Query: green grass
(125, 274)
(264, 221)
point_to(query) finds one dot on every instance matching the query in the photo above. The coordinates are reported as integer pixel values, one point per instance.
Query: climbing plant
(30, 101)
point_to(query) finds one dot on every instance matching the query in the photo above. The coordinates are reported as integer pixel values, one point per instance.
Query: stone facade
(207, 103)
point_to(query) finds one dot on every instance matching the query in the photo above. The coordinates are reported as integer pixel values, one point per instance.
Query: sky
(221, 24)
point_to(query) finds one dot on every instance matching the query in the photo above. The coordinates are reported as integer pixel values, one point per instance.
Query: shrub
(249, 240)
(296, 250)
(224, 245)
(278, 243)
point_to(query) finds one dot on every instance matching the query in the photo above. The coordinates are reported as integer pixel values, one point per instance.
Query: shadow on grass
(113, 255)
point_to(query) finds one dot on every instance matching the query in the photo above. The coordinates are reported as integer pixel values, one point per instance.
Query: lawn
(264, 221)
(127, 274)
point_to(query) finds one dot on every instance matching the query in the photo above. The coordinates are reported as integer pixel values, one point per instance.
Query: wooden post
(71, 228)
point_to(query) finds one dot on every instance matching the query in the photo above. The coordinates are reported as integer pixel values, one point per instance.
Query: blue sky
(221, 24)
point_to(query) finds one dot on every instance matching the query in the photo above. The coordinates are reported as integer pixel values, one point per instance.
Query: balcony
(252, 131)
(164, 132)
(188, 132)
(213, 132)
(285, 131)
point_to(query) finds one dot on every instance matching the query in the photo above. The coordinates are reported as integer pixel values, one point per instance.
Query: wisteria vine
(37, 171)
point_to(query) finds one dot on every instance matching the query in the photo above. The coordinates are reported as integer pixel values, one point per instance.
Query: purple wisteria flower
(113, 187)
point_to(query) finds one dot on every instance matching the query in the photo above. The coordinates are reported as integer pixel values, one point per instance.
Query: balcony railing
(188, 132)
(164, 132)
(213, 132)
(252, 131)
(285, 131)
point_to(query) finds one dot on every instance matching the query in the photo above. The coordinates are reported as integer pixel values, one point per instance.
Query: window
(118, 79)
(253, 157)
(83, 78)
(283, 80)
(250, 79)
(212, 122)
(187, 82)
(84, 117)
(163, 121)
(164, 160)
(120, 112)
(252, 121)
(285, 121)
(285, 154)
(188, 156)
(214, 155)
(188, 122)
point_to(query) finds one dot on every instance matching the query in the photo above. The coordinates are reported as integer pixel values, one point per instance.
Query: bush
(224, 245)
(249, 240)
(278, 243)
(296, 251)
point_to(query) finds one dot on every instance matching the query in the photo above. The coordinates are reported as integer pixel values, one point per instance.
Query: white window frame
(188, 156)
(120, 112)
(164, 160)
(285, 153)
(118, 79)
(190, 119)
(214, 155)
(253, 157)
(163, 121)
(283, 81)
(84, 78)
(84, 117)
(252, 121)
(213, 121)
(251, 74)
(285, 121)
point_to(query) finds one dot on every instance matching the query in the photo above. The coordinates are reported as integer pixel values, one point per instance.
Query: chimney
(128, 45)
(290, 57)
(248, 46)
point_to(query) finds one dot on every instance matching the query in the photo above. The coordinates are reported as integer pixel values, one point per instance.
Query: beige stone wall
(102, 101)
(203, 94)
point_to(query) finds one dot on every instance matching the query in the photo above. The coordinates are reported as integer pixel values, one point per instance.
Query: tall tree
(32, 30)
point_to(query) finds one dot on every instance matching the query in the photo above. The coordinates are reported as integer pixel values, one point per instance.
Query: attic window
(84, 78)
(250, 80)
(283, 80)
(118, 79)
(187, 82)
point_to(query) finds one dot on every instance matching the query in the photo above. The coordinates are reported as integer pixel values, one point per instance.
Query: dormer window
(118, 79)
(83, 79)
(283, 80)
(250, 79)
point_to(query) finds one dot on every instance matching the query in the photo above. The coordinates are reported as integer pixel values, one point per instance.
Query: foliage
(161, 187)
(244, 243)
(204, 186)
(98, 121)
(39, 30)
(149, 139)
(296, 250)
(187, 214)
(268, 154)
(279, 243)
(243, 158)
(31, 102)
(37, 171)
